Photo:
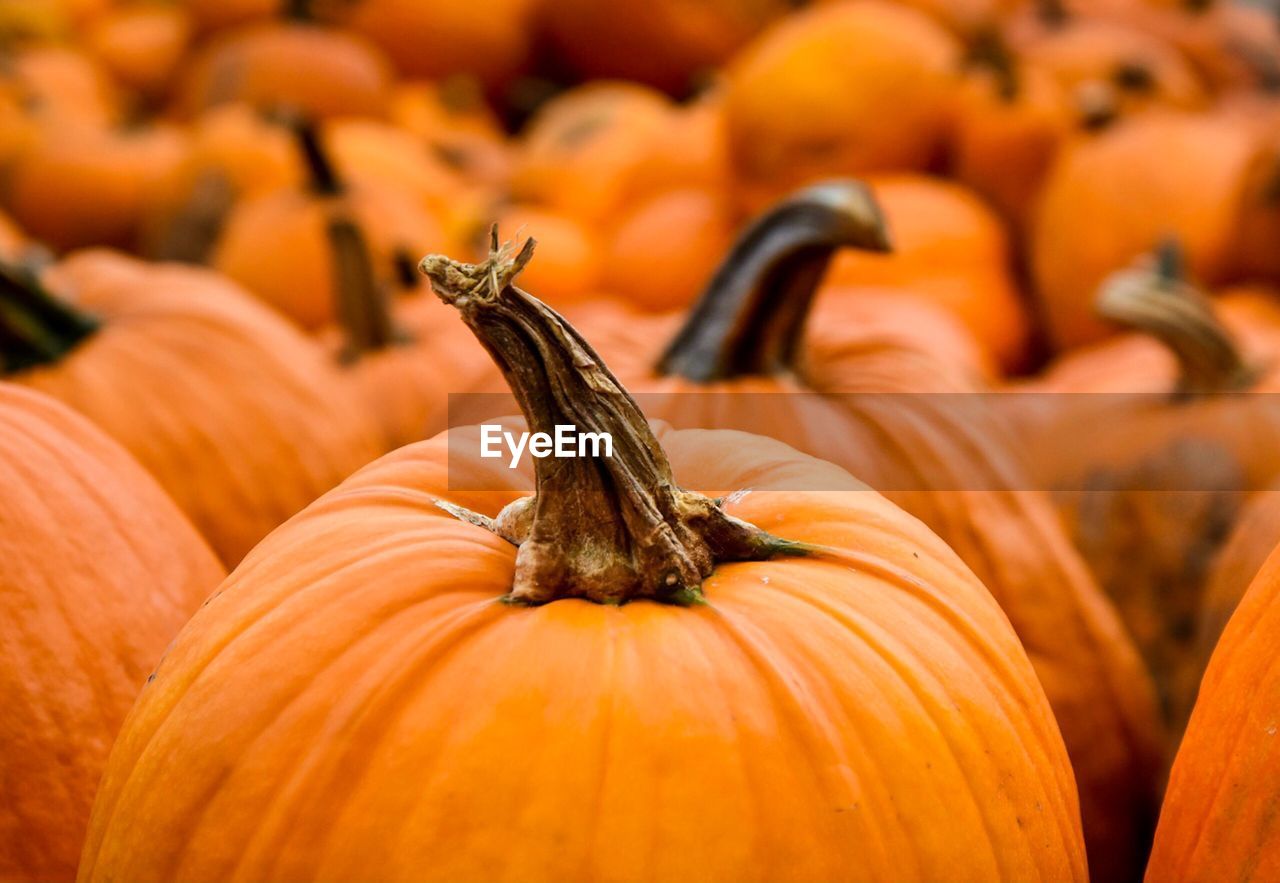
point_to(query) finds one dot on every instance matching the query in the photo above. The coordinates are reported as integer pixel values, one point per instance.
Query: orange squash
(1113, 197)
(78, 185)
(277, 244)
(594, 150)
(299, 65)
(1012, 119)
(598, 672)
(233, 152)
(1218, 818)
(664, 43)
(1174, 451)
(846, 88)
(141, 45)
(98, 571)
(885, 408)
(236, 414)
(662, 253)
(445, 38)
(951, 248)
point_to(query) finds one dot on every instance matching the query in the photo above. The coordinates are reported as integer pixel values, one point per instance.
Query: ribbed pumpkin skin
(1219, 820)
(356, 704)
(98, 571)
(238, 416)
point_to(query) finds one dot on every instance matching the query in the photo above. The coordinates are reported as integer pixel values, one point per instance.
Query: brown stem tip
(608, 529)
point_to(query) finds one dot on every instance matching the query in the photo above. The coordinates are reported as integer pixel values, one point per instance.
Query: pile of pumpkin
(265, 614)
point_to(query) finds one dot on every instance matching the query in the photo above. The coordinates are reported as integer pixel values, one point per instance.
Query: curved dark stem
(1158, 301)
(750, 319)
(609, 527)
(36, 328)
(364, 310)
(406, 268)
(322, 176)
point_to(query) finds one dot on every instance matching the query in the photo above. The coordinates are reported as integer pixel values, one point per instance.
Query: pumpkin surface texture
(468, 734)
(84, 615)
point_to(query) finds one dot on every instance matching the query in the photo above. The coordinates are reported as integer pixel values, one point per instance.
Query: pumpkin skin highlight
(254, 425)
(666, 706)
(98, 571)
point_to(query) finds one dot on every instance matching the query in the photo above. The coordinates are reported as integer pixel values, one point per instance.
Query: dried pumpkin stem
(322, 176)
(364, 310)
(609, 529)
(750, 320)
(989, 51)
(1052, 13)
(36, 328)
(1160, 302)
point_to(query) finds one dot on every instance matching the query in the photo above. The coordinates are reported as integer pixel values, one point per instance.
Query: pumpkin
(77, 184)
(1011, 120)
(594, 150)
(949, 247)
(1143, 70)
(98, 571)
(841, 89)
(277, 244)
(662, 253)
(1218, 817)
(62, 84)
(237, 415)
(298, 64)
(457, 126)
(598, 671)
(141, 45)
(1170, 461)
(664, 43)
(442, 38)
(915, 428)
(233, 152)
(1113, 197)
(1255, 534)
(219, 14)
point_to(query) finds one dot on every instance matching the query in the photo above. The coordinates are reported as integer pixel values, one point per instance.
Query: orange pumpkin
(277, 244)
(1170, 461)
(237, 415)
(1218, 818)
(77, 185)
(846, 88)
(457, 126)
(233, 152)
(948, 247)
(885, 408)
(1113, 197)
(664, 43)
(663, 252)
(62, 84)
(1011, 121)
(141, 45)
(599, 687)
(298, 65)
(218, 14)
(594, 150)
(1255, 534)
(99, 570)
(444, 38)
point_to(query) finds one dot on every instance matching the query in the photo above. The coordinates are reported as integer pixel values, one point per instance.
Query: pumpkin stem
(751, 317)
(36, 328)
(322, 176)
(1157, 300)
(297, 10)
(1052, 13)
(611, 527)
(363, 308)
(989, 50)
